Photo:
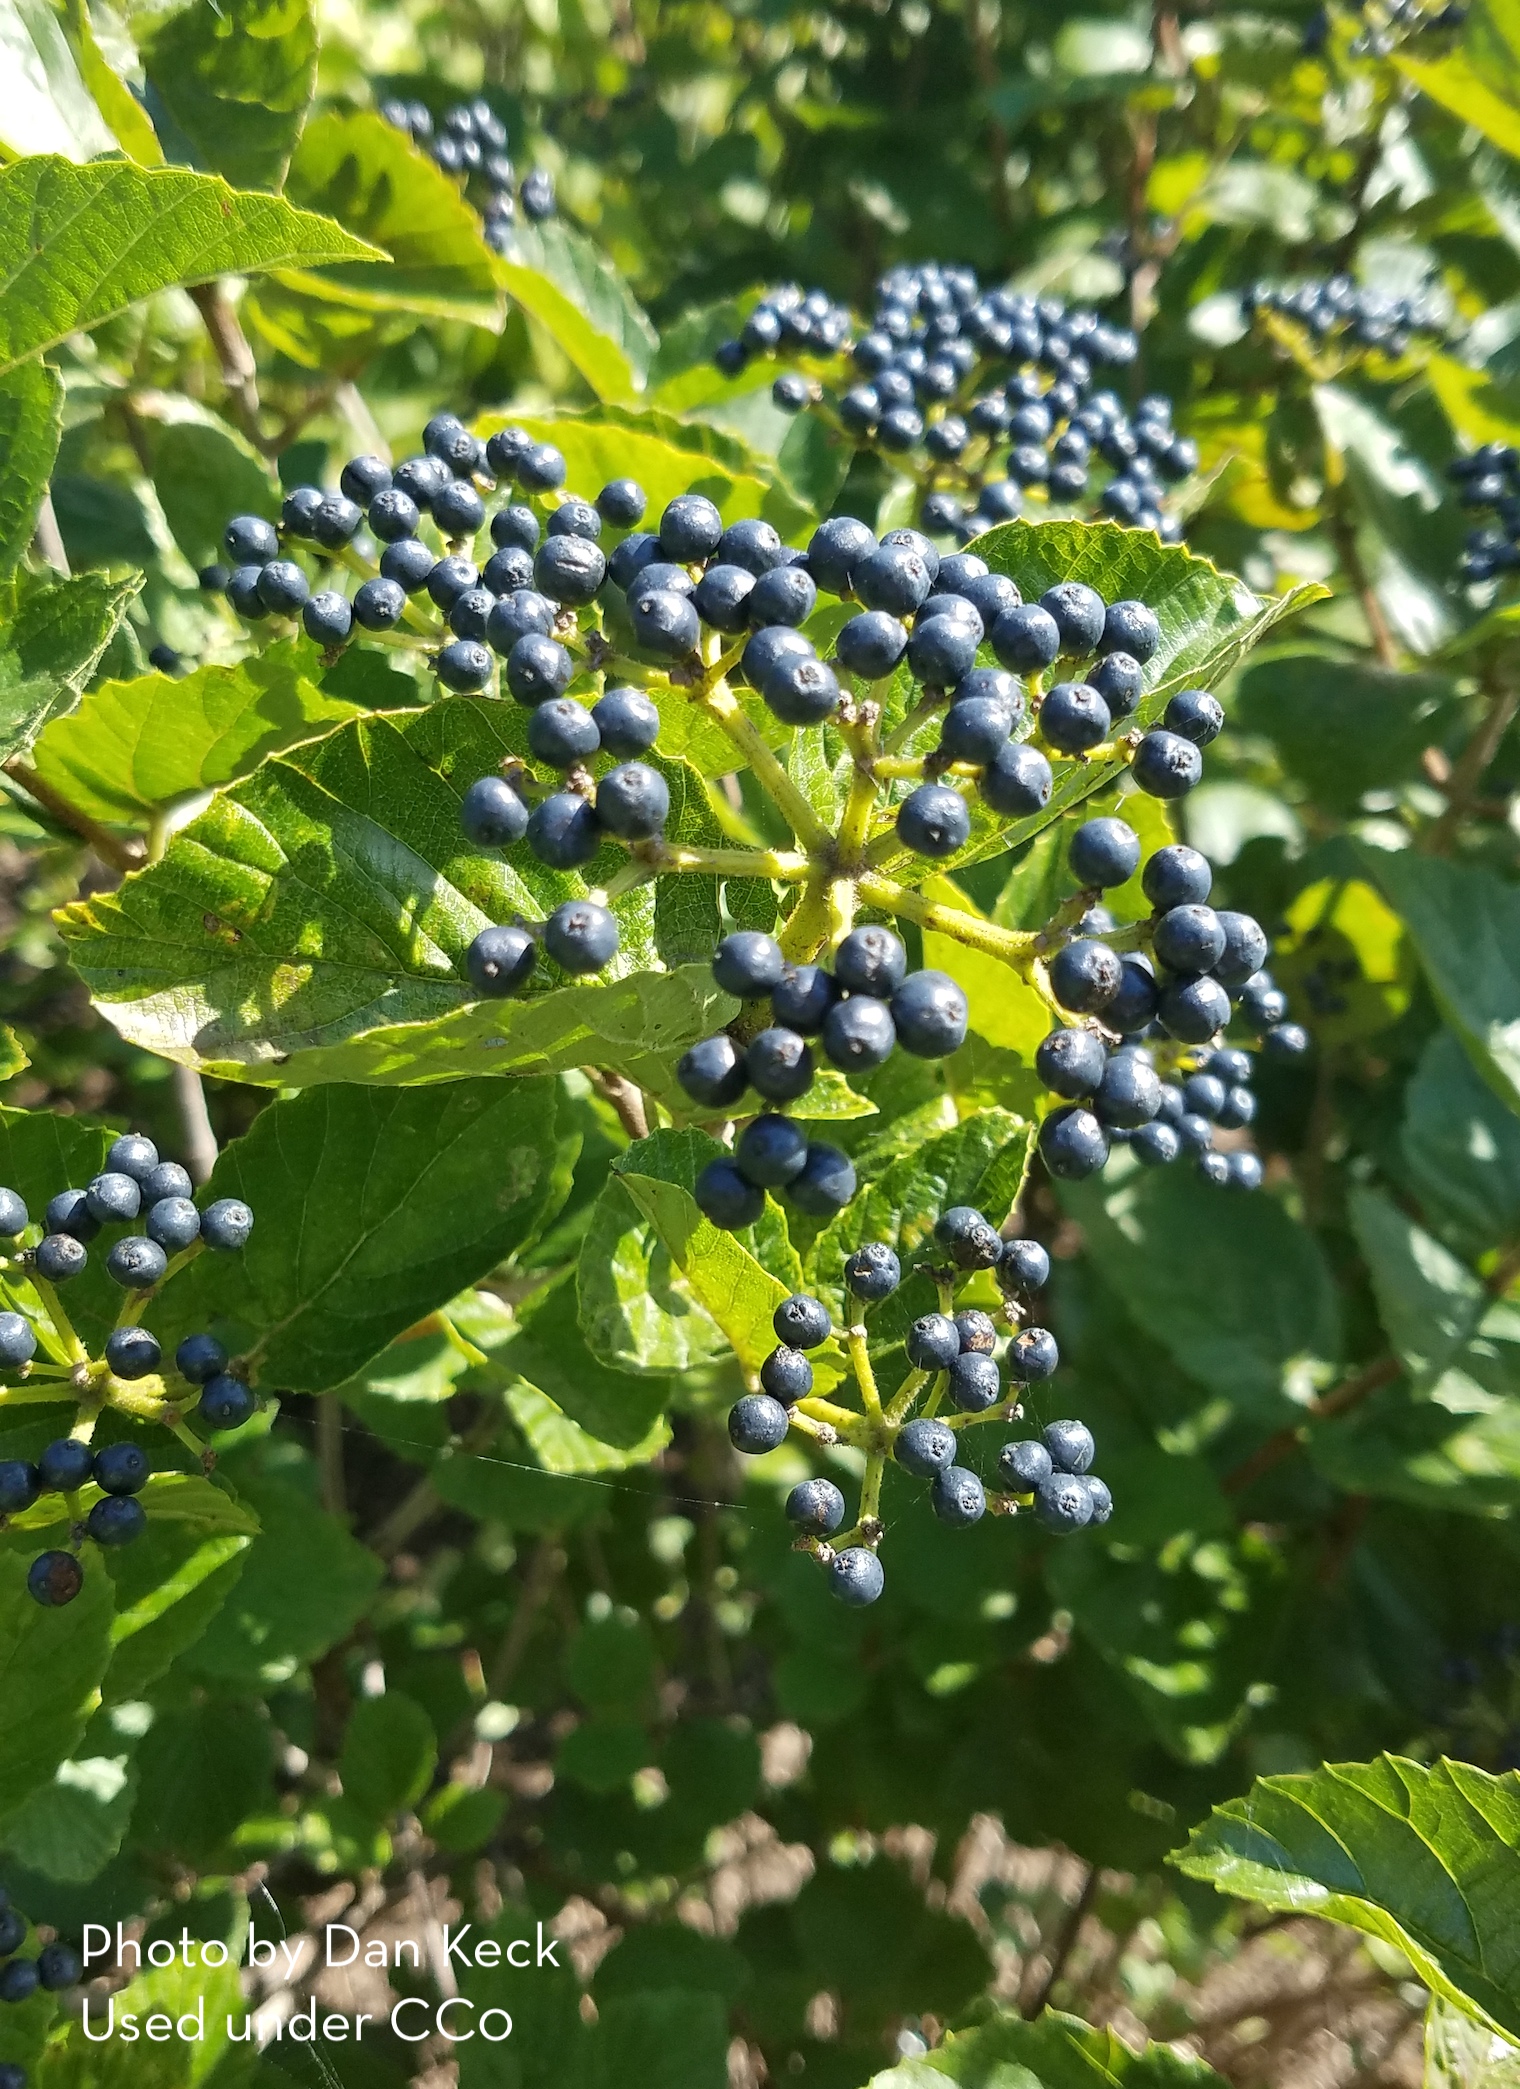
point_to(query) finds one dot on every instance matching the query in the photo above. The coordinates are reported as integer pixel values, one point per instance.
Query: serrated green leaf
(71, 1828)
(31, 421)
(46, 106)
(83, 243)
(1341, 728)
(360, 170)
(562, 1446)
(576, 1415)
(51, 1666)
(1425, 1857)
(635, 1308)
(52, 635)
(376, 1207)
(134, 747)
(724, 1277)
(234, 79)
(1056, 2051)
(1466, 927)
(571, 288)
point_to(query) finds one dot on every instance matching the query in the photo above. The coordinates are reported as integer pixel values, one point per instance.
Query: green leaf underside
(82, 243)
(52, 634)
(234, 78)
(565, 282)
(133, 747)
(31, 421)
(329, 901)
(375, 1207)
(363, 172)
(1424, 1857)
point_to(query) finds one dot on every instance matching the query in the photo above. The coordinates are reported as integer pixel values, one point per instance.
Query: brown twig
(197, 1139)
(625, 1097)
(234, 356)
(544, 1569)
(1468, 769)
(121, 855)
(1349, 552)
(1065, 1943)
(1348, 1394)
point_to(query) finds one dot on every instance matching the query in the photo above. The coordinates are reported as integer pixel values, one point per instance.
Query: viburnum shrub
(793, 732)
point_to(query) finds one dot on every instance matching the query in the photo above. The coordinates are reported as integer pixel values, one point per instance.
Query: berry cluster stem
(724, 707)
(1015, 947)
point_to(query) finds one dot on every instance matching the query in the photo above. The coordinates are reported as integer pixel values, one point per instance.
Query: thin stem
(121, 855)
(1014, 946)
(860, 804)
(785, 866)
(234, 356)
(1065, 1942)
(721, 704)
(1343, 535)
(906, 1394)
(74, 1350)
(1467, 771)
(870, 1491)
(844, 1419)
(199, 1140)
(925, 709)
(865, 1376)
(625, 1097)
(136, 1303)
(30, 1395)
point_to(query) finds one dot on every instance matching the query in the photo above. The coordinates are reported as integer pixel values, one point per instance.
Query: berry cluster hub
(43, 1358)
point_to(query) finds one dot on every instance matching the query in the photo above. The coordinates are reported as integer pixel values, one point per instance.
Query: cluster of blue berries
(992, 399)
(859, 1013)
(951, 1357)
(1488, 479)
(1168, 999)
(788, 320)
(1339, 309)
(56, 1967)
(135, 1185)
(471, 142)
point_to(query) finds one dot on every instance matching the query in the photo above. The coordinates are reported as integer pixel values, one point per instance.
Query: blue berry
(60, 1256)
(121, 1468)
(470, 615)
(855, 1576)
(225, 1402)
(199, 1358)
(492, 815)
(1214, 1169)
(409, 563)
(1033, 1356)
(931, 1014)
(64, 1466)
(967, 1238)
(771, 1150)
(724, 1197)
(1204, 1094)
(131, 1352)
(283, 587)
(1193, 1010)
(504, 573)
(250, 540)
(934, 820)
(943, 648)
(1119, 681)
(69, 1212)
(894, 579)
(871, 960)
(1102, 1501)
(1104, 852)
(801, 1321)
(393, 515)
(1286, 1041)
(872, 1272)
(958, 1497)
(690, 529)
(537, 669)
(815, 1507)
(20, 1485)
(1176, 876)
(631, 557)
(835, 551)
(803, 997)
(12, 1936)
(975, 730)
(826, 1183)
(132, 1155)
(974, 1332)
(627, 721)
(226, 1225)
(1018, 783)
(53, 1579)
(168, 1179)
(858, 1034)
(569, 569)
(785, 595)
(933, 1343)
(722, 597)
(871, 645)
(748, 964)
(713, 1072)
(1085, 976)
(1026, 639)
(1166, 766)
(665, 624)
(243, 593)
(1156, 1145)
(1023, 1267)
(542, 469)
(769, 653)
(13, 1215)
(779, 1065)
(562, 733)
(803, 690)
(1063, 1503)
(1023, 1466)
(1189, 939)
(18, 1340)
(136, 1264)
(581, 936)
(1073, 1143)
(18, 1979)
(1134, 1006)
(1129, 1093)
(1245, 949)
(563, 831)
(974, 1382)
(1130, 627)
(172, 1223)
(622, 503)
(464, 665)
(786, 1375)
(1073, 718)
(335, 520)
(1070, 1444)
(1079, 614)
(757, 1424)
(499, 961)
(524, 614)
(1196, 715)
(59, 1966)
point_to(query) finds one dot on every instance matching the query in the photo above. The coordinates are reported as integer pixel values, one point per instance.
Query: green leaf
(1249, 1312)
(305, 1582)
(1432, 1307)
(52, 635)
(1209, 622)
(31, 421)
(1461, 1146)
(1054, 2052)
(202, 1768)
(115, 100)
(83, 243)
(389, 1755)
(636, 1310)
(723, 1276)
(204, 472)
(1342, 729)
(670, 2039)
(1477, 81)
(574, 292)
(1466, 927)
(131, 748)
(234, 79)
(577, 1415)
(603, 1754)
(206, 1997)
(1423, 1857)
(71, 1829)
(461, 1819)
(46, 106)
(51, 1665)
(329, 901)
(363, 172)
(375, 1207)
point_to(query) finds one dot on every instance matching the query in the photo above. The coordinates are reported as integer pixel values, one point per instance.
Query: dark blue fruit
(748, 964)
(871, 960)
(870, 646)
(756, 1424)
(60, 1256)
(771, 1150)
(804, 997)
(855, 1576)
(872, 1272)
(815, 1507)
(924, 1447)
(59, 1966)
(53, 1579)
(1195, 715)
(173, 1223)
(931, 1014)
(801, 1322)
(132, 1352)
(858, 1034)
(958, 1497)
(1073, 718)
(20, 1485)
(1166, 766)
(1085, 976)
(1130, 627)
(786, 1375)
(132, 1155)
(826, 1183)
(1063, 1503)
(1073, 1143)
(933, 1342)
(225, 1403)
(1193, 1010)
(1024, 1465)
(1176, 876)
(562, 732)
(1026, 639)
(581, 936)
(13, 1215)
(199, 1358)
(779, 1065)
(19, 1979)
(934, 820)
(967, 1237)
(492, 815)
(974, 1382)
(1104, 852)
(975, 730)
(1033, 1356)
(628, 722)
(1019, 782)
(1156, 1145)
(713, 1072)
(121, 1468)
(1071, 1063)
(64, 1466)
(537, 669)
(1070, 1445)
(1189, 939)
(116, 1520)
(18, 1340)
(725, 1197)
(1023, 1267)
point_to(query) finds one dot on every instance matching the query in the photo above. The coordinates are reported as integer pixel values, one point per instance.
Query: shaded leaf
(31, 421)
(234, 79)
(46, 106)
(52, 635)
(1461, 1145)
(389, 1754)
(51, 1665)
(571, 288)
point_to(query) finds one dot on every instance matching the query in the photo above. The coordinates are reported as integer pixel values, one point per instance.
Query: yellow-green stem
(865, 1376)
(903, 1399)
(71, 1350)
(844, 1419)
(721, 704)
(1013, 946)
(870, 1490)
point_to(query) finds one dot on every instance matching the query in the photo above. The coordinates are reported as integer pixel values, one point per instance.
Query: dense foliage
(710, 716)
